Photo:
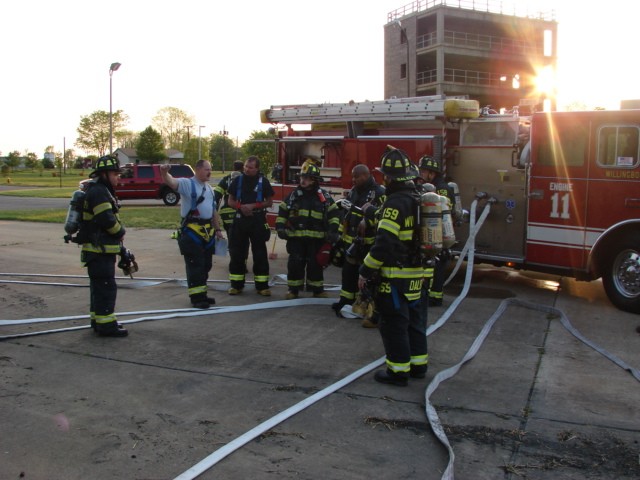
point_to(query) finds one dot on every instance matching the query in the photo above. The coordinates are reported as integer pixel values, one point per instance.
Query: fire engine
(563, 187)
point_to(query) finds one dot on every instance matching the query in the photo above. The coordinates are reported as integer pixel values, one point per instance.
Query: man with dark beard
(358, 231)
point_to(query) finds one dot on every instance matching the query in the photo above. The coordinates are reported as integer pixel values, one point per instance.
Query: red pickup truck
(141, 181)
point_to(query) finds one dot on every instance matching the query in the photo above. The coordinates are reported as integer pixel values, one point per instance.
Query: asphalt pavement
(207, 394)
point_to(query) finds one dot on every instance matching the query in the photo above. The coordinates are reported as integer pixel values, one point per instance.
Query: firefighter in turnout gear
(395, 260)
(250, 194)
(221, 192)
(358, 229)
(199, 230)
(307, 219)
(431, 172)
(101, 234)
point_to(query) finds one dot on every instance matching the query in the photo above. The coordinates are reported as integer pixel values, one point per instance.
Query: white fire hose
(434, 421)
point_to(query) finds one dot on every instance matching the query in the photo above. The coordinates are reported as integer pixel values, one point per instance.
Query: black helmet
(428, 162)
(105, 164)
(396, 165)
(312, 171)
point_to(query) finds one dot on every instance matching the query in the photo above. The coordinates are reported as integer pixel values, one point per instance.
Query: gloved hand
(282, 233)
(345, 204)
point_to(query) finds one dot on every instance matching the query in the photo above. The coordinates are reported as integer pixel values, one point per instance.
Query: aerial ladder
(434, 107)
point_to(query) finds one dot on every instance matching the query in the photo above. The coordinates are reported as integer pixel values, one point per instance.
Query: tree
(32, 161)
(190, 151)
(222, 152)
(13, 159)
(58, 160)
(127, 138)
(173, 123)
(265, 151)
(150, 147)
(69, 158)
(95, 128)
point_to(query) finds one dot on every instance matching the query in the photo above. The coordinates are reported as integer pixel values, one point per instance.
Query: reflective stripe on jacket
(393, 254)
(100, 220)
(304, 215)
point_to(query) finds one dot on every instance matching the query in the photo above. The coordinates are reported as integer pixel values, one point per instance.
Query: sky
(224, 61)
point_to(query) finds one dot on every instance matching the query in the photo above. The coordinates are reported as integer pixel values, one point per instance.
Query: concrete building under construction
(493, 53)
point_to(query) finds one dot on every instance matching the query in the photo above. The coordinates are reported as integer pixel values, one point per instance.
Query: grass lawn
(45, 178)
(136, 217)
(46, 185)
(42, 192)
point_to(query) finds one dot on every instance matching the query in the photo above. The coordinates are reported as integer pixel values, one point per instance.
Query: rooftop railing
(484, 42)
(466, 77)
(491, 6)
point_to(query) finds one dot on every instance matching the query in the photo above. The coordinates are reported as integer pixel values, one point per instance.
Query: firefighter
(250, 194)
(431, 172)
(200, 227)
(307, 219)
(357, 231)
(393, 267)
(221, 192)
(101, 234)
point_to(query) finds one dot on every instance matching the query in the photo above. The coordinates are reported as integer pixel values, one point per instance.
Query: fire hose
(441, 376)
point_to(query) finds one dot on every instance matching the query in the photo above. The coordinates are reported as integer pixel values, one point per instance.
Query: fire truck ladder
(412, 108)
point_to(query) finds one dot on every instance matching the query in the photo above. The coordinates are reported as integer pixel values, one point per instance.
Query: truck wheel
(170, 197)
(621, 278)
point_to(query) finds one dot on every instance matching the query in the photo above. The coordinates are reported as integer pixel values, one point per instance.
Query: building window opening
(403, 70)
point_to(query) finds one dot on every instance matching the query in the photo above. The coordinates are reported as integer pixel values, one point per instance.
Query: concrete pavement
(534, 403)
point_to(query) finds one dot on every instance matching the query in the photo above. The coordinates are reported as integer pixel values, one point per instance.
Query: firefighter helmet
(396, 165)
(310, 170)
(105, 164)
(427, 162)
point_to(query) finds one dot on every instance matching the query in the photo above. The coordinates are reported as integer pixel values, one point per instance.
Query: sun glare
(545, 82)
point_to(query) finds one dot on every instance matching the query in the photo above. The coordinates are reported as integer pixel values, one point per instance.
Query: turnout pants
(350, 273)
(102, 288)
(403, 327)
(249, 231)
(437, 283)
(302, 266)
(198, 262)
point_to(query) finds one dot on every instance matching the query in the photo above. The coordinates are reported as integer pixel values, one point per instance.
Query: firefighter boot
(200, 301)
(111, 329)
(337, 306)
(418, 371)
(391, 378)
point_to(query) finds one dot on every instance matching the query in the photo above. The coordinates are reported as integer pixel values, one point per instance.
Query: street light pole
(113, 68)
(224, 134)
(200, 127)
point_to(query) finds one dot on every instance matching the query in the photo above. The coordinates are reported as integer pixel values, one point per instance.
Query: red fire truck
(564, 187)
